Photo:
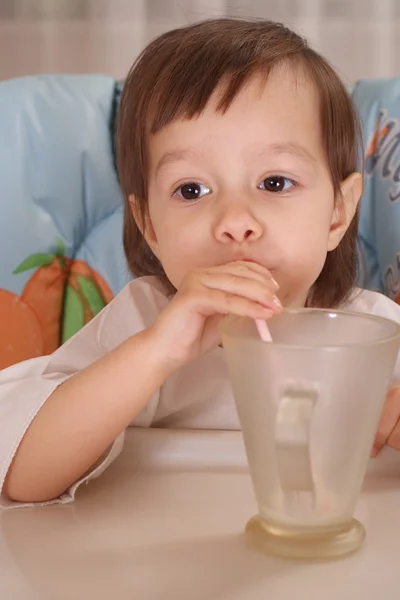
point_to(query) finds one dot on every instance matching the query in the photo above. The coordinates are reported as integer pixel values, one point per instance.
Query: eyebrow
(293, 148)
(176, 156)
(296, 150)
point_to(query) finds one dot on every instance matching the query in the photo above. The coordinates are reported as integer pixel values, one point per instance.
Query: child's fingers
(247, 269)
(388, 422)
(217, 301)
(246, 287)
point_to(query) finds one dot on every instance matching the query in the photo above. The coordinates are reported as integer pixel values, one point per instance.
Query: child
(237, 150)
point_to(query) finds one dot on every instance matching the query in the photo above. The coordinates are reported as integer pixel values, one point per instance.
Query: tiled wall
(360, 37)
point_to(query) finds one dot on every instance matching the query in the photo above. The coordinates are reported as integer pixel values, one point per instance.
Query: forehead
(283, 110)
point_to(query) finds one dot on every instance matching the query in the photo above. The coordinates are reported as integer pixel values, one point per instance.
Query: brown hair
(175, 76)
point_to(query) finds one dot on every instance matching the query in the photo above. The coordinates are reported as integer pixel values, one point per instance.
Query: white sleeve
(25, 387)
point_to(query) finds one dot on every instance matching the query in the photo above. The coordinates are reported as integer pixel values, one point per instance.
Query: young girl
(237, 149)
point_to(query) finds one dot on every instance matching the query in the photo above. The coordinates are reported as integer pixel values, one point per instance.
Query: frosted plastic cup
(309, 404)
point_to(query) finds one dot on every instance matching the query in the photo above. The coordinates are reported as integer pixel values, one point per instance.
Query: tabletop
(166, 520)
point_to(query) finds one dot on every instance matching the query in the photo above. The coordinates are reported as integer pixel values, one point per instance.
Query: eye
(192, 191)
(277, 183)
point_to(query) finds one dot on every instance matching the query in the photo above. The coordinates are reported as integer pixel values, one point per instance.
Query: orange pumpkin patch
(21, 332)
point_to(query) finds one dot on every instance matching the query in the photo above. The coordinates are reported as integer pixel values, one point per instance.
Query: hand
(389, 426)
(189, 326)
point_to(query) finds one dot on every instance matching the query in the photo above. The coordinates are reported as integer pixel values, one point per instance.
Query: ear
(345, 208)
(146, 228)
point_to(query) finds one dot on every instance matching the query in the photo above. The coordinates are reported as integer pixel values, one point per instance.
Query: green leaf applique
(92, 294)
(43, 259)
(35, 260)
(73, 314)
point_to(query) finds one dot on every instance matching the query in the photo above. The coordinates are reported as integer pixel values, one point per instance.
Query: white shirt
(198, 396)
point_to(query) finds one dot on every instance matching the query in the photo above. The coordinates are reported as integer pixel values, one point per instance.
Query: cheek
(304, 253)
(177, 231)
(306, 234)
(309, 248)
(178, 243)
(178, 251)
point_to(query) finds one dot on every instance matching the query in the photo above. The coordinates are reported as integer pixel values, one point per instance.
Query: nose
(235, 223)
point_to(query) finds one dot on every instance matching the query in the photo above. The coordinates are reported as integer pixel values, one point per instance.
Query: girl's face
(250, 184)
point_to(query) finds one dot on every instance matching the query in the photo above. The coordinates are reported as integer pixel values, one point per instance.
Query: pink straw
(263, 330)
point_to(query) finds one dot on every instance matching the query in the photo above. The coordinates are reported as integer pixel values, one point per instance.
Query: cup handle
(292, 436)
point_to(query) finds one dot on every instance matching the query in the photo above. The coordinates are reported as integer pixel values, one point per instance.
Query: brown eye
(277, 183)
(192, 191)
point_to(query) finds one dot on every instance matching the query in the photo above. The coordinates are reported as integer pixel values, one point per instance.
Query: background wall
(360, 37)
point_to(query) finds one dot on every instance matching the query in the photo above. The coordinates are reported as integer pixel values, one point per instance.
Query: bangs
(187, 78)
(190, 96)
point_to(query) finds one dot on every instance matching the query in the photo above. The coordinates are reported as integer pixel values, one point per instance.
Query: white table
(166, 522)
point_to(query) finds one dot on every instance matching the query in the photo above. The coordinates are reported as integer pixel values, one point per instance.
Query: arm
(389, 425)
(82, 418)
